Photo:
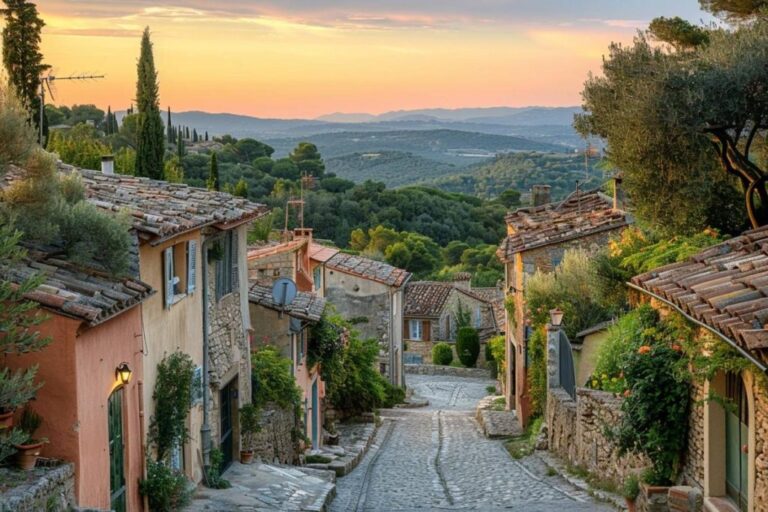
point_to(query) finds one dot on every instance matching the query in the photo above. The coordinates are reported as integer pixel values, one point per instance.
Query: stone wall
(424, 349)
(692, 472)
(761, 443)
(274, 443)
(50, 489)
(432, 369)
(576, 432)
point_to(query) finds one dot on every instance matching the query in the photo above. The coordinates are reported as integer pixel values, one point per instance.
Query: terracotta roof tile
(725, 287)
(579, 215)
(159, 209)
(306, 305)
(85, 294)
(426, 298)
(367, 268)
(321, 253)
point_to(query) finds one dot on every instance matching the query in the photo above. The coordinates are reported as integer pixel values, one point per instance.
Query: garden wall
(577, 433)
(51, 489)
(275, 440)
(433, 369)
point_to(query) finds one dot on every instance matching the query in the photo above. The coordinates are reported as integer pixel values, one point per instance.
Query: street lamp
(123, 373)
(556, 317)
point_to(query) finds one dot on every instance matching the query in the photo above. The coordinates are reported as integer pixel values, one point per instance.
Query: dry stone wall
(45, 489)
(577, 433)
(274, 443)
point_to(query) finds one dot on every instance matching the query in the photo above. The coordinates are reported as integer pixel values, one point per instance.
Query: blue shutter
(191, 265)
(168, 276)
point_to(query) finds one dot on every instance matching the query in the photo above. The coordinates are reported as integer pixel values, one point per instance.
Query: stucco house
(723, 290)
(537, 238)
(288, 329)
(190, 245)
(268, 262)
(95, 325)
(370, 294)
(431, 310)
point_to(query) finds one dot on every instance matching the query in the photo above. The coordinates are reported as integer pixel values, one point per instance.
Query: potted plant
(249, 426)
(16, 389)
(29, 450)
(630, 490)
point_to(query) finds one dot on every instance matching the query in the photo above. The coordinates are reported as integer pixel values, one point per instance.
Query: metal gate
(567, 370)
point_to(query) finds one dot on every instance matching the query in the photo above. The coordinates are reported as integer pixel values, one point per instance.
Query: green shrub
(272, 379)
(172, 393)
(213, 477)
(497, 347)
(317, 459)
(442, 354)
(356, 387)
(631, 487)
(468, 346)
(537, 371)
(491, 390)
(250, 415)
(166, 489)
(393, 395)
(655, 419)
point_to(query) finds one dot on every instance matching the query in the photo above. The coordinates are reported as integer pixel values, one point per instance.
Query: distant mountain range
(514, 116)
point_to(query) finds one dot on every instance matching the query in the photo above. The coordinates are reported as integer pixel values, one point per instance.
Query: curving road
(435, 458)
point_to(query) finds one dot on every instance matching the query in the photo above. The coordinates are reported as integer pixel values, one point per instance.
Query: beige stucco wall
(168, 330)
(585, 359)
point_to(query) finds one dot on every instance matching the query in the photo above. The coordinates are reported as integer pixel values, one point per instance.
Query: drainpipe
(205, 429)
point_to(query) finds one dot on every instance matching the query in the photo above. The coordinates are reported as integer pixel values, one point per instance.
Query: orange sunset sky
(304, 58)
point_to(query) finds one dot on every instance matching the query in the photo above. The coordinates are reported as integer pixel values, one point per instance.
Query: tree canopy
(735, 10)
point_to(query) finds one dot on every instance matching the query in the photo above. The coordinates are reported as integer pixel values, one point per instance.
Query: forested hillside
(393, 168)
(520, 171)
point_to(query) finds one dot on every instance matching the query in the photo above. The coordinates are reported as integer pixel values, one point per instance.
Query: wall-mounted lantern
(556, 317)
(123, 373)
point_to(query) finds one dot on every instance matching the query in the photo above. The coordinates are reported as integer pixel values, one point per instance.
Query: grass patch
(523, 445)
(499, 404)
(491, 390)
(317, 459)
(551, 471)
(593, 480)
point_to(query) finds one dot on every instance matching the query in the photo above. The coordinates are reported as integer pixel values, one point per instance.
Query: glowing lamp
(123, 373)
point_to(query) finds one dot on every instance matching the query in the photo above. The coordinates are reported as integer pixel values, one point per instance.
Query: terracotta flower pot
(6, 419)
(27, 455)
(246, 457)
(630, 505)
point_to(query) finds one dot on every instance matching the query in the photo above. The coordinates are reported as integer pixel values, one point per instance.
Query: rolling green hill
(393, 168)
(520, 171)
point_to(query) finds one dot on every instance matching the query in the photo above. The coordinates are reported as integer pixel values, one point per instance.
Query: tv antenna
(45, 83)
(307, 182)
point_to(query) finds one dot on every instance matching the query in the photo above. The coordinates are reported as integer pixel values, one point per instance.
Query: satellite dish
(295, 325)
(283, 291)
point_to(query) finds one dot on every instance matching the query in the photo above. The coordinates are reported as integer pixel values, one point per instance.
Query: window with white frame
(179, 271)
(415, 327)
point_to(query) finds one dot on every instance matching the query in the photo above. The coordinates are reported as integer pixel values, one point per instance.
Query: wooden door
(116, 451)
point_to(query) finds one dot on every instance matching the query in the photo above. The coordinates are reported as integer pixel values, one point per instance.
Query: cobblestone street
(436, 458)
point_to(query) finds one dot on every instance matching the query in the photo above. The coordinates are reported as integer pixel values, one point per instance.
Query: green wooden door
(736, 442)
(116, 451)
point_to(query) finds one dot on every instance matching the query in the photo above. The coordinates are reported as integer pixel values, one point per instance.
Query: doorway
(227, 399)
(315, 416)
(737, 441)
(116, 451)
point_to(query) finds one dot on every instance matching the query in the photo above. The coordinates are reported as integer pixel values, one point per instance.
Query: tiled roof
(369, 269)
(426, 298)
(306, 306)
(160, 209)
(724, 287)
(321, 253)
(592, 330)
(491, 294)
(580, 214)
(72, 291)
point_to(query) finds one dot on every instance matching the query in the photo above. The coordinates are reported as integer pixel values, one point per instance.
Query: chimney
(541, 195)
(618, 193)
(462, 280)
(302, 234)
(108, 164)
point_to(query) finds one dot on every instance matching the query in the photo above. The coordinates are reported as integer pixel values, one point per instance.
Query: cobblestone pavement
(436, 458)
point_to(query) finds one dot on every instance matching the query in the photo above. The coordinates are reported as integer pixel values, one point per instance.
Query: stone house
(723, 291)
(268, 262)
(288, 329)
(188, 242)
(94, 323)
(431, 310)
(537, 238)
(369, 293)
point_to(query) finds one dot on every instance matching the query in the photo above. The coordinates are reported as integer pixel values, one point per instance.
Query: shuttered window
(191, 266)
(168, 276)
(227, 268)
(416, 329)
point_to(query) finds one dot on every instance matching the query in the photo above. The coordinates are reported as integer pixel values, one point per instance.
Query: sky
(305, 58)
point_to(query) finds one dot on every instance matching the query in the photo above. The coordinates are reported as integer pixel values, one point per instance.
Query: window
(415, 329)
(317, 277)
(179, 271)
(478, 317)
(197, 386)
(226, 266)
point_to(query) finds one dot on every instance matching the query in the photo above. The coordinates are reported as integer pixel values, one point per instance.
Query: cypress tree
(180, 146)
(213, 175)
(150, 139)
(194, 135)
(21, 53)
(186, 132)
(169, 126)
(206, 136)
